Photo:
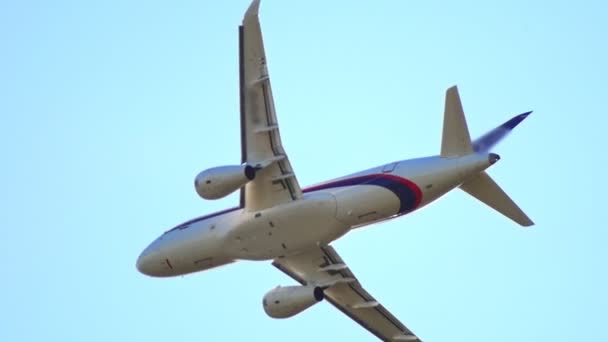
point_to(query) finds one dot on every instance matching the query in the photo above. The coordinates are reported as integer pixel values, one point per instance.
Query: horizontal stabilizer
(487, 191)
(493, 137)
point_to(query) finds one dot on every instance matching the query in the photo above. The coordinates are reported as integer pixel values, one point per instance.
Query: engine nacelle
(220, 181)
(283, 302)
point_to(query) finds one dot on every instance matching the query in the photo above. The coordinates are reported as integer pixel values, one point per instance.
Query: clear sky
(110, 108)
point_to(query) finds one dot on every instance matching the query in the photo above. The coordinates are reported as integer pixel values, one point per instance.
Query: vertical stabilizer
(456, 139)
(487, 191)
(493, 137)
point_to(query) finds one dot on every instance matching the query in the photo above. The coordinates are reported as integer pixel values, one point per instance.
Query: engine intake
(221, 181)
(283, 302)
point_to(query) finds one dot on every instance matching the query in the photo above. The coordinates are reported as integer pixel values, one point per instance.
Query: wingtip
(528, 224)
(452, 89)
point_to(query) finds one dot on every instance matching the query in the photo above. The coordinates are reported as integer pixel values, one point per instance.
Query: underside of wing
(323, 267)
(275, 183)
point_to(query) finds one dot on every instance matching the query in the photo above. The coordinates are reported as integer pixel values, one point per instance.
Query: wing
(261, 145)
(323, 267)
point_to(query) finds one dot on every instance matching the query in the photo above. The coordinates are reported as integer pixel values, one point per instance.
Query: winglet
(456, 140)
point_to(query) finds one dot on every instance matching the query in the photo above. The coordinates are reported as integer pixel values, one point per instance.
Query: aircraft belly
(287, 229)
(361, 204)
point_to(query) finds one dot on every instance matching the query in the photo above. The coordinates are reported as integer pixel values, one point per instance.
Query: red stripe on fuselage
(369, 179)
(408, 183)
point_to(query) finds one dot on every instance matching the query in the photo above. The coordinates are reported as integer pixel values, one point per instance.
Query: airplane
(278, 220)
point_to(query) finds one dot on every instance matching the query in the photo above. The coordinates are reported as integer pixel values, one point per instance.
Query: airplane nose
(150, 262)
(144, 264)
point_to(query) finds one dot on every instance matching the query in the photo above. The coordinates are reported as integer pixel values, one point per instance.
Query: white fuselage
(324, 213)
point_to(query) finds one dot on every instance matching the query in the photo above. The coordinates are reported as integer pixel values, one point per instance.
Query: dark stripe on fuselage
(409, 194)
(202, 218)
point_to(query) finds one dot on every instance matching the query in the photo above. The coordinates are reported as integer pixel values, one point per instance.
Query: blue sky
(109, 109)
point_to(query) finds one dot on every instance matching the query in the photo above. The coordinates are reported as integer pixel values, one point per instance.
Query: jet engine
(220, 181)
(283, 302)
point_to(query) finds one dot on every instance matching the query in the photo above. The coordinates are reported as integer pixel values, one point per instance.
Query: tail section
(456, 139)
(487, 191)
(457, 142)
